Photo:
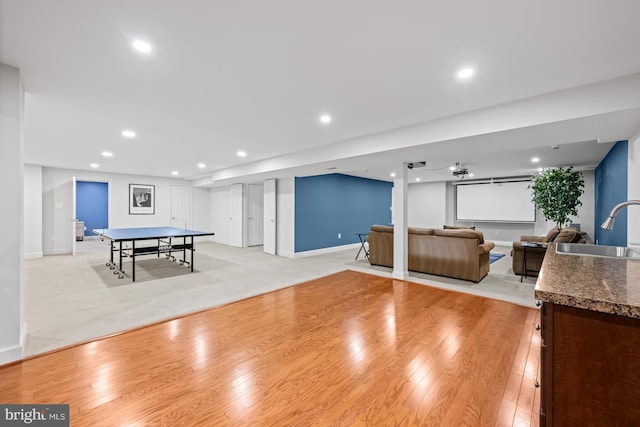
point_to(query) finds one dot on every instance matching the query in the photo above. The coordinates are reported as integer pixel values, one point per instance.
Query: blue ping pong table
(158, 240)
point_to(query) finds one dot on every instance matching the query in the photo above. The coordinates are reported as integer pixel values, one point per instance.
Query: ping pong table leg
(184, 249)
(192, 249)
(133, 260)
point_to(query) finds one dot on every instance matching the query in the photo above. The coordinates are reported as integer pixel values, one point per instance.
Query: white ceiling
(255, 76)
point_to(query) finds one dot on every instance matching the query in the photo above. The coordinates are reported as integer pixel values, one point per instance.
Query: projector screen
(495, 202)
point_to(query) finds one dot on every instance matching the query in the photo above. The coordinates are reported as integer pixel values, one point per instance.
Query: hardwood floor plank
(347, 349)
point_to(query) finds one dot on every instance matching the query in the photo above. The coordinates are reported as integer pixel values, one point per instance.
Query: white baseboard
(286, 254)
(326, 250)
(32, 255)
(23, 338)
(58, 252)
(10, 354)
(222, 242)
(400, 275)
(14, 352)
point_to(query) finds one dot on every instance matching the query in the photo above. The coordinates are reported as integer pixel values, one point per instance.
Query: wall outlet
(339, 235)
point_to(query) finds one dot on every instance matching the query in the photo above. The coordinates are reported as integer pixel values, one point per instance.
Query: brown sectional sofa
(458, 253)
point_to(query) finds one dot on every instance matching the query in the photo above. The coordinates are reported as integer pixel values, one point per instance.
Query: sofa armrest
(532, 238)
(485, 247)
(518, 245)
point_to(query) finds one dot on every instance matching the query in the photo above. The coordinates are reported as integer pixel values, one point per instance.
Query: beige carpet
(74, 299)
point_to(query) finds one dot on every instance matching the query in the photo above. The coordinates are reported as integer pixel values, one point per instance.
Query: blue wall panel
(611, 189)
(92, 205)
(326, 205)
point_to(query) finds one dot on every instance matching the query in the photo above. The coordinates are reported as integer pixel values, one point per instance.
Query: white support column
(12, 327)
(400, 227)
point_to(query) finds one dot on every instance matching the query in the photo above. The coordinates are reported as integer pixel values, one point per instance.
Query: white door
(74, 219)
(255, 228)
(269, 214)
(236, 215)
(180, 206)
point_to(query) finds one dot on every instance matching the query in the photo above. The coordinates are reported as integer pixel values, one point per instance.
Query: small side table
(363, 239)
(532, 247)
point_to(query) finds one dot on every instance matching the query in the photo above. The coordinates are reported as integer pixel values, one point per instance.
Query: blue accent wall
(92, 205)
(611, 189)
(326, 205)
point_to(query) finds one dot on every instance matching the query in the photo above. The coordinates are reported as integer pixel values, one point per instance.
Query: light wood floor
(347, 349)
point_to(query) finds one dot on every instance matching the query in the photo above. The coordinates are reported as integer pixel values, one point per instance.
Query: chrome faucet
(608, 223)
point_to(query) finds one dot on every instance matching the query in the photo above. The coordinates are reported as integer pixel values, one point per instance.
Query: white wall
(57, 197)
(286, 215)
(32, 211)
(12, 327)
(426, 205)
(220, 214)
(201, 213)
(586, 213)
(633, 191)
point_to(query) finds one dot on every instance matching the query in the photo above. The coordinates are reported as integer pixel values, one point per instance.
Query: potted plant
(557, 192)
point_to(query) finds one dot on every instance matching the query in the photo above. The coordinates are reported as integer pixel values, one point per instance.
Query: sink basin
(597, 250)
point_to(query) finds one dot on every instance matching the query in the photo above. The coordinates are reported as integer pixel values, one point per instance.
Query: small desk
(363, 239)
(533, 247)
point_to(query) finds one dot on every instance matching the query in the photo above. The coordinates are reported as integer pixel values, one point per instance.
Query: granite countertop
(606, 285)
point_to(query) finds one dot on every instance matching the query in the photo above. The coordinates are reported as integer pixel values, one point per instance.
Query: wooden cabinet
(590, 364)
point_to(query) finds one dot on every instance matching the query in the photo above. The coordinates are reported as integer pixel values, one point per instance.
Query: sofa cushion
(458, 227)
(422, 231)
(551, 234)
(461, 233)
(568, 235)
(386, 228)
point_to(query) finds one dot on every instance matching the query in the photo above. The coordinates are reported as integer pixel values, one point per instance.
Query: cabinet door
(595, 368)
(546, 364)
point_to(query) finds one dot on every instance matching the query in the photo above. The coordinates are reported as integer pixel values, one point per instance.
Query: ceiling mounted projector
(460, 171)
(416, 165)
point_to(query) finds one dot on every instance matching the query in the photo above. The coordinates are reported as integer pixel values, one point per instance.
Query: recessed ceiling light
(128, 134)
(325, 118)
(242, 153)
(470, 175)
(202, 165)
(452, 168)
(417, 179)
(465, 73)
(535, 159)
(142, 46)
(393, 174)
(174, 173)
(94, 165)
(540, 169)
(107, 153)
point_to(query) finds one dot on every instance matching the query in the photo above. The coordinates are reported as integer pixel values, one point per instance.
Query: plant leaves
(557, 191)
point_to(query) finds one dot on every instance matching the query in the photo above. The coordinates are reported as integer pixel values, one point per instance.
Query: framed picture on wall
(142, 199)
